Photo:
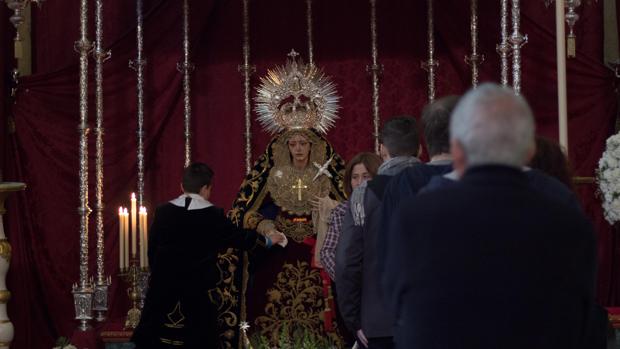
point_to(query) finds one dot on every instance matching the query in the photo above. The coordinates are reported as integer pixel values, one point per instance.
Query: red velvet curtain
(43, 224)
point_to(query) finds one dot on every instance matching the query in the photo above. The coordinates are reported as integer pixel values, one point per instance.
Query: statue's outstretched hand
(277, 238)
(316, 202)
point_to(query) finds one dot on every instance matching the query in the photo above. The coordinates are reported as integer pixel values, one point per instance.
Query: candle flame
(120, 210)
(133, 196)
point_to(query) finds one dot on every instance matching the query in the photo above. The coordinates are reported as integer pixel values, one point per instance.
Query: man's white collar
(197, 203)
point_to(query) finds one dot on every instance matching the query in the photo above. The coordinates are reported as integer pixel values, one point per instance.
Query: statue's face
(299, 147)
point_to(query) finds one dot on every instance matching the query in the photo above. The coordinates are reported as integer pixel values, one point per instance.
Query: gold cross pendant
(300, 185)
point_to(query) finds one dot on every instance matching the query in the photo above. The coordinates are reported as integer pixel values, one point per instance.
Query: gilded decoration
(175, 317)
(226, 297)
(295, 301)
(296, 96)
(5, 249)
(133, 318)
(292, 189)
(297, 228)
(253, 190)
(5, 296)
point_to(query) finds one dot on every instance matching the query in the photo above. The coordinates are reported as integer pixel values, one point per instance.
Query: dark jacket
(360, 298)
(402, 186)
(542, 182)
(494, 263)
(183, 248)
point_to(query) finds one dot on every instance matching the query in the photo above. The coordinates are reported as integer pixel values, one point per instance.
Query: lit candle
(133, 225)
(142, 251)
(126, 233)
(121, 249)
(146, 238)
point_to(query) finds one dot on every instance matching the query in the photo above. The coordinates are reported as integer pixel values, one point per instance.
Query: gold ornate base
(133, 318)
(132, 276)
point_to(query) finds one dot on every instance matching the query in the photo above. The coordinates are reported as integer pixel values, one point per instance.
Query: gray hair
(494, 126)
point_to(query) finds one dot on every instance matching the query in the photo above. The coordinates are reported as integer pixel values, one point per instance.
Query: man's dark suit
(494, 263)
(183, 247)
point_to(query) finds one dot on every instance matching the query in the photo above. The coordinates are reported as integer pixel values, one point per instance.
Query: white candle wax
(121, 249)
(133, 225)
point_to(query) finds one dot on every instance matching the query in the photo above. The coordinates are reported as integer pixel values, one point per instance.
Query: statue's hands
(265, 227)
(323, 205)
(277, 238)
(316, 202)
(322, 201)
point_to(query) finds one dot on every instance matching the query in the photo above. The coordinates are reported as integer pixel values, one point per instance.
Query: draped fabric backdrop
(43, 224)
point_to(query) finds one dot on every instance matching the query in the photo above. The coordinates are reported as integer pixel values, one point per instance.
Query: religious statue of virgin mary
(297, 103)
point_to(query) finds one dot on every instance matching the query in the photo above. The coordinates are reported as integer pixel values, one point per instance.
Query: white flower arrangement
(608, 178)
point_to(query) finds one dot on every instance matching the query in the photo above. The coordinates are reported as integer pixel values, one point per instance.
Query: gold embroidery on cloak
(296, 300)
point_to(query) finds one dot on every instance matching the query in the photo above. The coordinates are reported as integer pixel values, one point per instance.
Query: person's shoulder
(441, 188)
(379, 180)
(421, 173)
(439, 181)
(427, 169)
(341, 207)
(437, 199)
(166, 207)
(552, 188)
(538, 177)
(542, 181)
(211, 210)
(378, 184)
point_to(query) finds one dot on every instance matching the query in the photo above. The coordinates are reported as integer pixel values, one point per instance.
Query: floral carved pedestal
(6, 327)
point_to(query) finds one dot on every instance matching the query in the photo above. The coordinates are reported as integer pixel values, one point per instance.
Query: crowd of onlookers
(483, 246)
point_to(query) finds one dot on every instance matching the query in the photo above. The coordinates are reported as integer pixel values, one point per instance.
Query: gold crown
(296, 96)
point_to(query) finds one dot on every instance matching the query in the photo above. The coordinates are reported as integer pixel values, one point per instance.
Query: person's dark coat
(179, 309)
(494, 263)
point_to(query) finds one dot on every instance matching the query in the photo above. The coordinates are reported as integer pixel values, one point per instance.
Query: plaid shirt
(328, 251)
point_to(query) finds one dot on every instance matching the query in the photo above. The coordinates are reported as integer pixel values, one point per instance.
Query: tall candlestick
(247, 70)
(309, 31)
(375, 70)
(139, 65)
(504, 47)
(100, 299)
(475, 59)
(517, 40)
(561, 66)
(431, 64)
(133, 225)
(121, 249)
(186, 68)
(83, 293)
